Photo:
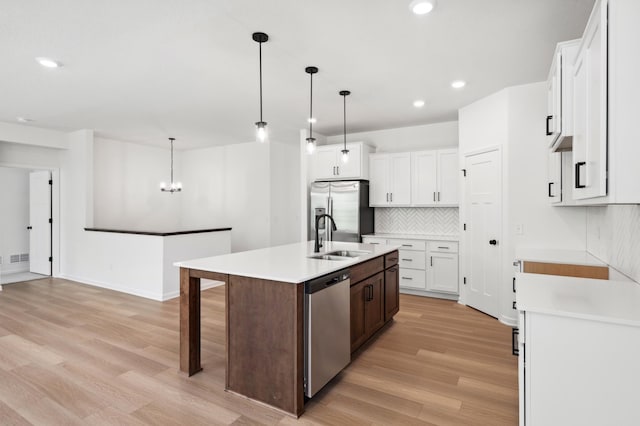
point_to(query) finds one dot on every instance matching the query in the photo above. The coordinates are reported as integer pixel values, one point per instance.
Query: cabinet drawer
(364, 270)
(390, 259)
(413, 278)
(409, 244)
(374, 240)
(443, 246)
(412, 259)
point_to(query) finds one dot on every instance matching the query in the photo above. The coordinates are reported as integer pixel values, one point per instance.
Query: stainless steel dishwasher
(327, 329)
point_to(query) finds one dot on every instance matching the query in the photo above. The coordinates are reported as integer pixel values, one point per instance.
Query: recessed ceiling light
(48, 63)
(422, 7)
(24, 119)
(458, 84)
(419, 103)
(312, 120)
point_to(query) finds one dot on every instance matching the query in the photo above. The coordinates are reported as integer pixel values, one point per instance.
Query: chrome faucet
(316, 247)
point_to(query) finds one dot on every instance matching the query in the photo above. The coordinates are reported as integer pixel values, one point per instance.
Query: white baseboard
(115, 287)
(429, 294)
(206, 284)
(511, 322)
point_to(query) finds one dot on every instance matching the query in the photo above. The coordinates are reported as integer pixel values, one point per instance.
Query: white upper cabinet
(559, 123)
(590, 110)
(435, 177)
(605, 106)
(390, 180)
(327, 162)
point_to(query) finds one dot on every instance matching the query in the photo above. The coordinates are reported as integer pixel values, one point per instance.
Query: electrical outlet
(519, 229)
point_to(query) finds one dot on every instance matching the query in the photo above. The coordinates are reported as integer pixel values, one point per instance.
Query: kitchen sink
(339, 255)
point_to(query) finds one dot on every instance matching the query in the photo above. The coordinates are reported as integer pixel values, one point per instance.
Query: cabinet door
(374, 306)
(554, 173)
(553, 119)
(442, 272)
(378, 180)
(391, 292)
(352, 169)
(424, 180)
(358, 300)
(590, 111)
(400, 179)
(448, 175)
(324, 162)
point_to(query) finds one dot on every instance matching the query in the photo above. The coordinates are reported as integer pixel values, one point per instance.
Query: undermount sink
(339, 255)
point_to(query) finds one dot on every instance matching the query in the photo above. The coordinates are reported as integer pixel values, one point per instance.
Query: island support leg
(189, 323)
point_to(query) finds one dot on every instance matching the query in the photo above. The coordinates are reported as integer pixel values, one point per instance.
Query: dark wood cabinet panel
(358, 328)
(391, 292)
(374, 306)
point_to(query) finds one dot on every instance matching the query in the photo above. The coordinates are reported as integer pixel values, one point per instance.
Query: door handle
(550, 183)
(493, 242)
(29, 227)
(577, 171)
(549, 132)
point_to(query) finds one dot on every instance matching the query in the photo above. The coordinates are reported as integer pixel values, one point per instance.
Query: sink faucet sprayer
(316, 247)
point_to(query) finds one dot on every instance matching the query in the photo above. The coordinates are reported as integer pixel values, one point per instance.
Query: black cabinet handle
(514, 305)
(577, 177)
(394, 269)
(550, 183)
(431, 260)
(514, 341)
(406, 278)
(493, 242)
(514, 284)
(407, 260)
(549, 132)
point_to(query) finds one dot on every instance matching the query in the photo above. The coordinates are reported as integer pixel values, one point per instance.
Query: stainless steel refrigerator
(348, 203)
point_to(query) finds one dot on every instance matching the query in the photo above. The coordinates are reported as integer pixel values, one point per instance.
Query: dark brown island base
(265, 326)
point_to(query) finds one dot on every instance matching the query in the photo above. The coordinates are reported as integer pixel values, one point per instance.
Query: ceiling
(144, 70)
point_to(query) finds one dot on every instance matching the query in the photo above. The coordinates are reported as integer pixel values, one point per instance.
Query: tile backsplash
(428, 220)
(613, 235)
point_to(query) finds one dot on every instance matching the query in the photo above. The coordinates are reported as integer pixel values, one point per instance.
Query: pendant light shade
(311, 141)
(345, 151)
(173, 186)
(262, 134)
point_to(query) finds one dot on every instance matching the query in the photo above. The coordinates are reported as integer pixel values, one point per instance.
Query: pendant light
(261, 126)
(311, 141)
(345, 151)
(173, 186)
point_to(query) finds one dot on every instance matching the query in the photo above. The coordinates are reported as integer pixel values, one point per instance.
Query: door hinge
(50, 259)
(464, 280)
(50, 220)
(464, 172)
(50, 181)
(464, 226)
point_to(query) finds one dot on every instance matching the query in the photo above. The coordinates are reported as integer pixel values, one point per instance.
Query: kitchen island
(265, 312)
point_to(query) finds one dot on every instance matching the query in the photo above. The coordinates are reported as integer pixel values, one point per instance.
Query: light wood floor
(75, 354)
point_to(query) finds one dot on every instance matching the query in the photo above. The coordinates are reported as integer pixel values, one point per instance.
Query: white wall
(126, 187)
(14, 217)
(413, 138)
(513, 119)
(285, 197)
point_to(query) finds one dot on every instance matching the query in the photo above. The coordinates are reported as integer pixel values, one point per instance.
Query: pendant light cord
(171, 139)
(311, 108)
(344, 97)
(260, 55)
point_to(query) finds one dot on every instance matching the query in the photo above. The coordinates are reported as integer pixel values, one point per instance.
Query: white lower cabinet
(577, 371)
(427, 267)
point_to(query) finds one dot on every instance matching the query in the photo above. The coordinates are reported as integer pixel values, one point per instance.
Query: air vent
(15, 258)
(24, 257)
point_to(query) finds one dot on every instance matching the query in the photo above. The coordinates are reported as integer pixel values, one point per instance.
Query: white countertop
(431, 237)
(287, 263)
(599, 300)
(570, 257)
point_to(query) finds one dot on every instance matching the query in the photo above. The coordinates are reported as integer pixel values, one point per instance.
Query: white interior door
(483, 199)
(39, 216)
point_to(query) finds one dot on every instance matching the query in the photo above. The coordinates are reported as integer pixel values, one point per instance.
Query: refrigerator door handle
(329, 229)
